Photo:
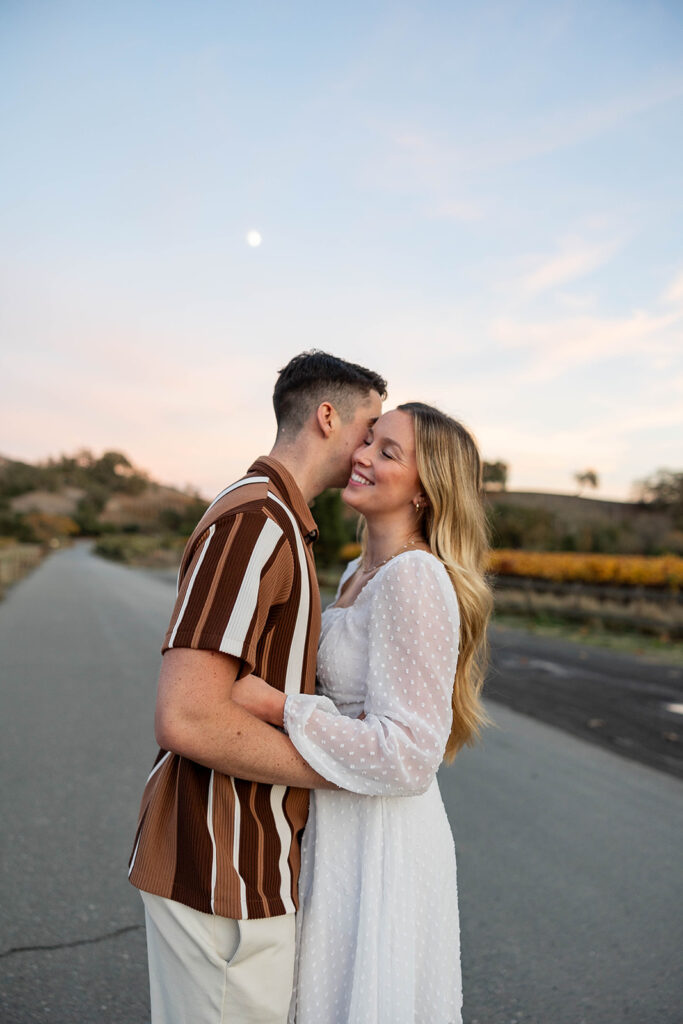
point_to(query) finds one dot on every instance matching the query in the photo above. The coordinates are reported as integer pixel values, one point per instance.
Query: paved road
(569, 855)
(617, 701)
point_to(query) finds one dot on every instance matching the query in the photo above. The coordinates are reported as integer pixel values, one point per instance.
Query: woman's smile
(358, 480)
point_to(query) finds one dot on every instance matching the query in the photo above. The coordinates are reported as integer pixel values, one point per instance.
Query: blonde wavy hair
(454, 525)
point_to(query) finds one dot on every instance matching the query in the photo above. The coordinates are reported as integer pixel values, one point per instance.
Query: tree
(115, 472)
(663, 490)
(516, 527)
(496, 473)
(182, 521)
(19, 478)
(334, 529)
(47, 528)
(588, 478)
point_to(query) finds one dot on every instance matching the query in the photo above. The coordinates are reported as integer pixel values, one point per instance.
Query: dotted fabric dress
(378, 937)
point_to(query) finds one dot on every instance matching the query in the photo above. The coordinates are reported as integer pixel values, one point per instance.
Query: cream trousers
(205, 969)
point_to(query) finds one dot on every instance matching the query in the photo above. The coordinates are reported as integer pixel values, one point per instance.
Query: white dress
(378, 937)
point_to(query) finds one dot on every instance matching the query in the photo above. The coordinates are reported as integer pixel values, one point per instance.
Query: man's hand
(197, 718)
(261, 699)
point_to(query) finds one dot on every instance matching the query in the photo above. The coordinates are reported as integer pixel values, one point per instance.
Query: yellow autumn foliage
(632, 570)
(562, 566)
(349, 551)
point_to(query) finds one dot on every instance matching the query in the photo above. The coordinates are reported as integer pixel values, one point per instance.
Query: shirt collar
(289, 490)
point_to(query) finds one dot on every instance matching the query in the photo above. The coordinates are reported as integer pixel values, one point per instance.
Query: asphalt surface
(569, 855)
(620, 702)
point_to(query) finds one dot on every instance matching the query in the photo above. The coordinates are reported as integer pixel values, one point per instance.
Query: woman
(377, 929)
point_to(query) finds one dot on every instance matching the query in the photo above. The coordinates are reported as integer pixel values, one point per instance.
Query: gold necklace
(365, 572)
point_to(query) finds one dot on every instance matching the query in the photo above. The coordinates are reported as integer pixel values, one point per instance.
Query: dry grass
(16, 560)
(650, 648)
(151, 552)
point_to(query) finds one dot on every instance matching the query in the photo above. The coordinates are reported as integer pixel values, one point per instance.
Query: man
(216, 857)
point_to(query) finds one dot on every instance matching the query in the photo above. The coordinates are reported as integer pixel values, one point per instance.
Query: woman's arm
(260, 699)
(413, 648)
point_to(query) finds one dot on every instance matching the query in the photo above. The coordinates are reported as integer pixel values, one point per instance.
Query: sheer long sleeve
(413, 629)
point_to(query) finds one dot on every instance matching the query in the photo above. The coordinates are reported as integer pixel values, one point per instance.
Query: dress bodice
(392, 654)
(342, 652)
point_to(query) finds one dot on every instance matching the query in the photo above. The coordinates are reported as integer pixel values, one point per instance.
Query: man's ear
(326, 416)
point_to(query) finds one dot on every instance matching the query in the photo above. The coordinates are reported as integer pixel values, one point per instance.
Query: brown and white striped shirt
(247, 587)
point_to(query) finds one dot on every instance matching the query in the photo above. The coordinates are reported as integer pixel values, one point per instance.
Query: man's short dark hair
(314, 377)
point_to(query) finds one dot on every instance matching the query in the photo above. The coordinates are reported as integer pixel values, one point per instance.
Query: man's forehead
(373, 406)
(366, 410)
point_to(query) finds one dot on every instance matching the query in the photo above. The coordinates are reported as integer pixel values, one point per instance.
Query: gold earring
(417, 506)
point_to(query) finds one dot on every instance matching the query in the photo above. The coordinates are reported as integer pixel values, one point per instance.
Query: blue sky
(484, 202)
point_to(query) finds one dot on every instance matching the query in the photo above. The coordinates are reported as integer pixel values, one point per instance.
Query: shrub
(140, 549)
(515, 527)
(632, 570)
(349, 551)
(334, 529)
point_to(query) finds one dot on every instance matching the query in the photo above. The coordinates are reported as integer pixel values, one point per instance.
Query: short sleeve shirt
(246, 587)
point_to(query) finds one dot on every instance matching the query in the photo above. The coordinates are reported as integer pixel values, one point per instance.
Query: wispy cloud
(674, 293)
(567, 128)
(574, 259)
(539, 136)
(560, 345)
(412, 162)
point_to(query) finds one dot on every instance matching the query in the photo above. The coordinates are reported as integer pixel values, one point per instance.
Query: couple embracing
(292, 850)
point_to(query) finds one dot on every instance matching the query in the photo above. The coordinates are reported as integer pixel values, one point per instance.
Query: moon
(254, 239)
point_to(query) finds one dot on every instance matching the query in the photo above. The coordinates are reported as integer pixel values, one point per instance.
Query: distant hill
(535, 519)
(88, 495)
(578, 508)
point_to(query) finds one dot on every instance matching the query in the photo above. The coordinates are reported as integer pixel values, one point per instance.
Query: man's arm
(197, 718)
